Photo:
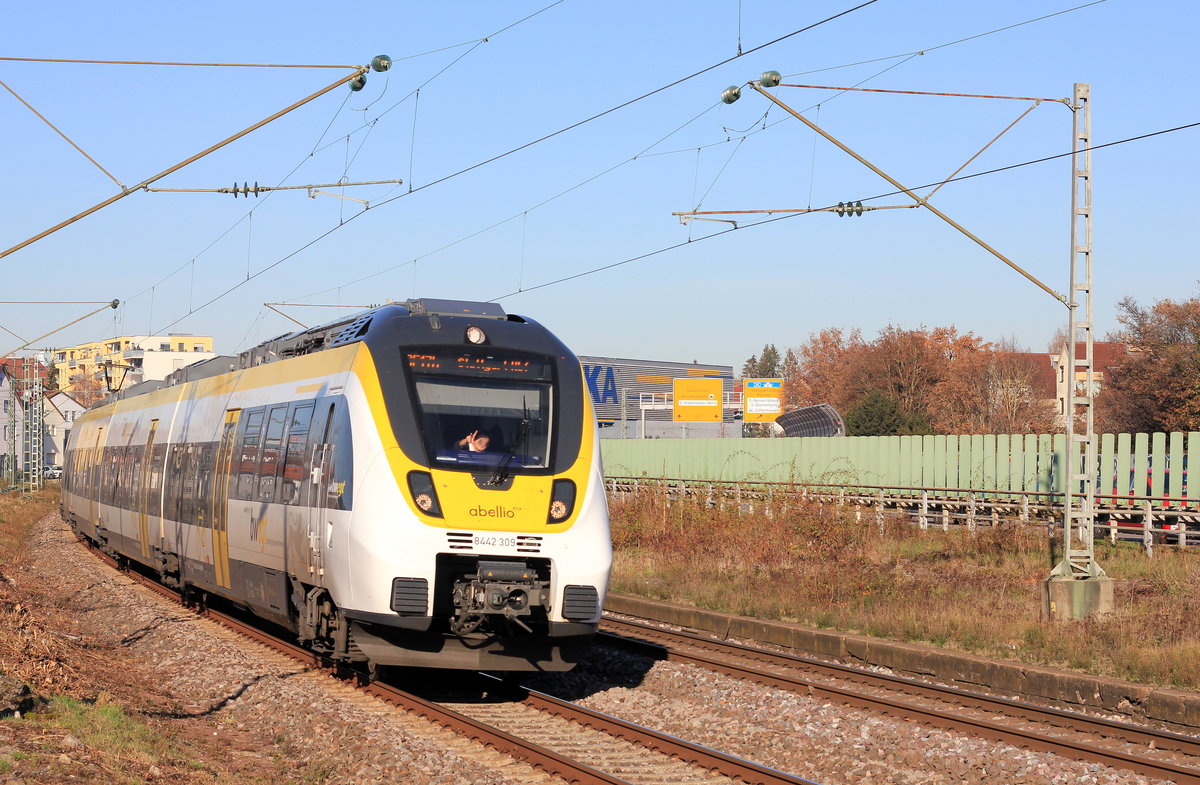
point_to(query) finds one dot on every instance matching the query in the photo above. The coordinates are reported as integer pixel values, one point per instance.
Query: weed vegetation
(819, 565)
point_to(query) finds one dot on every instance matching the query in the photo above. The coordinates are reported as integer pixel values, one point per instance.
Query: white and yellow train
(325, 481)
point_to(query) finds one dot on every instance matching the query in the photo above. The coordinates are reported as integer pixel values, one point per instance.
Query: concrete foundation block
(823, 643)
(1068, 599)
(1175, 706)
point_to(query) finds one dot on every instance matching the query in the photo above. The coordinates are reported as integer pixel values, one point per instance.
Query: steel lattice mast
(1079, 487)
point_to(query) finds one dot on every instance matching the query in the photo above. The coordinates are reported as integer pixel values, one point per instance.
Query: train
(417, 485)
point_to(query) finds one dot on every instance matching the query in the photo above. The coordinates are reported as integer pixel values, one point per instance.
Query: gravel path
(269, 707)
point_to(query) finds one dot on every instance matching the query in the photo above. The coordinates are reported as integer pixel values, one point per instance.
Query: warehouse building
(633, 398)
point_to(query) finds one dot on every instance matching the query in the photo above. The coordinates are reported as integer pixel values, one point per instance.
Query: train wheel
(377, 672)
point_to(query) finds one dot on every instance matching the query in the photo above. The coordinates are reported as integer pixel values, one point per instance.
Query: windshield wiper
(522, 440)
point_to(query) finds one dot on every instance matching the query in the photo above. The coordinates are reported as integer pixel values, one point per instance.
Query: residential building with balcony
(128, 359)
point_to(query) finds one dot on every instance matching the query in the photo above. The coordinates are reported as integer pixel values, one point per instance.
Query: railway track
(561, 738)
(1147, 751)
(577, 744)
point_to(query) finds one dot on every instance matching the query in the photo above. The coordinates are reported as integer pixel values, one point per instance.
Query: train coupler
(498, 590)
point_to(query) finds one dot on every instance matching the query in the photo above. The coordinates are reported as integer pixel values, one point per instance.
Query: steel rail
(997, 731)
(544, 759)
(540, 757)
(695, 754)
(514, 746)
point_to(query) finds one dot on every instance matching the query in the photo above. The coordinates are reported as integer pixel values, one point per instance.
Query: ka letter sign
(763, 399)
(697, 400)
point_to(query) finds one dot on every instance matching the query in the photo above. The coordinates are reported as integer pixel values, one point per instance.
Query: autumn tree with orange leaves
(918, 381)
(1157, 385)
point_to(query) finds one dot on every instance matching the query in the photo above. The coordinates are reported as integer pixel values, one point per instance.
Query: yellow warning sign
(697, 400)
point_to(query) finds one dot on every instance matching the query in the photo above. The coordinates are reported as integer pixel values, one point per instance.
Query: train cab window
(272, 448)
(247, 455)
(514, 416)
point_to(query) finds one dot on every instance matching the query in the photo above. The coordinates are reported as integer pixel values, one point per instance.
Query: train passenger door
(96, 464)
(318, 511)
(321, 475)
(143, 491)
(219, 513)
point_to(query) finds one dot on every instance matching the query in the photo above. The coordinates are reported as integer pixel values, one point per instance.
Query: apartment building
(128, 359)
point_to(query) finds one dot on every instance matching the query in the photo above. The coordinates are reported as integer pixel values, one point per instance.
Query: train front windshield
(481, 411)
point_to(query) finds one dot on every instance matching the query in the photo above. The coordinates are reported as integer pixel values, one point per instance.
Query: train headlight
(562, 501)
(476, 334)
(420, 485)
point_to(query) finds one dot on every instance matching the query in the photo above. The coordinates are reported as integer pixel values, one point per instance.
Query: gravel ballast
(270, 707)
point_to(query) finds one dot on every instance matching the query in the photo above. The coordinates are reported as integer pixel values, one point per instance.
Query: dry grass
(817, 565)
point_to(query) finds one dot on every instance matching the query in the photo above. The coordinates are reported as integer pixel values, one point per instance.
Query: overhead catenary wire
(515, 150)
(572, 126)
(106, 303)
(14, 335)
(602, 114)
(644, 153)
(308, 305)
(473, 44)
(169, 170)
(514, 216)
(920, 52)
(112, 304)
(777, 218)
(63, 135)
(564, 130)
(1034, 103)
(168, 63)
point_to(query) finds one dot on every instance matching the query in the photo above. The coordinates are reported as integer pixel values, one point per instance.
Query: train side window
(109, 477)
(187, 499)
(174, 480)
(133, 489)
(116, 475)
(157, 463)
(301, 417)
(127, 476)
(295, 470)
(268, 465)
(247, 455)
(205, 456)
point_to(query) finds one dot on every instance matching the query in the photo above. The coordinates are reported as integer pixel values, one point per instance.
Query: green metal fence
(1131, 466)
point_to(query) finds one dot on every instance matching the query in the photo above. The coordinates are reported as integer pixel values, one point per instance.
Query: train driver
(474, 442)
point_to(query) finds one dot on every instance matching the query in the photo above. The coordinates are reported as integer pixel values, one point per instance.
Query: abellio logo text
(492, 512)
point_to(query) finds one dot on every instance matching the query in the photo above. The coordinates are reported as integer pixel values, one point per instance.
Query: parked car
(52, 473)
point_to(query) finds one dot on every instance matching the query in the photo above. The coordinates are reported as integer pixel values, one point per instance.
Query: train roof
(341, 332)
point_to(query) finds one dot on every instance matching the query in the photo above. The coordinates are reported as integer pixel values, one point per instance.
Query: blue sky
(465, 226)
